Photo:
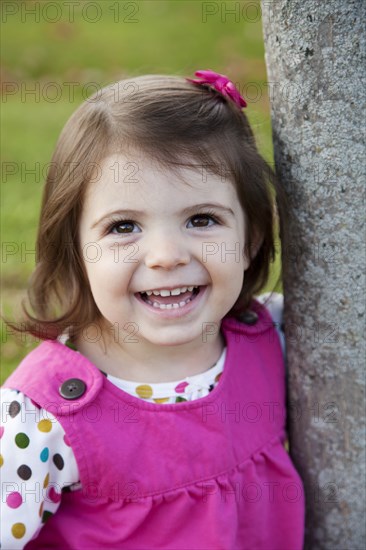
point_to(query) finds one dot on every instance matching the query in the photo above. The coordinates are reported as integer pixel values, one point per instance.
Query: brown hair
(174, 122)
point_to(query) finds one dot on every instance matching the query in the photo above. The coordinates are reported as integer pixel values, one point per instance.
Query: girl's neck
(147, 365)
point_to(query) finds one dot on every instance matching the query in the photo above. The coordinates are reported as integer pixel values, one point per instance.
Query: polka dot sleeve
(36, 464)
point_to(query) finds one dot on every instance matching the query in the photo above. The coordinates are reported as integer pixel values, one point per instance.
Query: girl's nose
(166, 252)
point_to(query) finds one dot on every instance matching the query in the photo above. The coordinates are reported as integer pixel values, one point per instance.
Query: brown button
(72, 388)
(248, 317)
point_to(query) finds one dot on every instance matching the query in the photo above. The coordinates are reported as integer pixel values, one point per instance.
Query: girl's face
(143, 229)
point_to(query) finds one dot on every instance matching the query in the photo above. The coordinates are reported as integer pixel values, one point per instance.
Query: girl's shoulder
(47, 375)
(273, 302)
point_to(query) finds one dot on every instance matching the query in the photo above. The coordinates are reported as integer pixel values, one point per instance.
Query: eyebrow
(188, 210)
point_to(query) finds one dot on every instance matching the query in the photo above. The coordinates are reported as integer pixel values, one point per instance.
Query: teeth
(174, 292)
(170, 306)
(164, 293)
(177, 291)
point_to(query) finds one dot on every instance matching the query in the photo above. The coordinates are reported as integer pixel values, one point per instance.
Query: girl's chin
(166, 337)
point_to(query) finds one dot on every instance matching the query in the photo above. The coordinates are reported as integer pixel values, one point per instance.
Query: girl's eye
(202, 220)
(123, 227)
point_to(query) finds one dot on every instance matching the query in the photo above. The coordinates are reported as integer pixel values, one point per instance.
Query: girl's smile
(174, 303)
(156, 270)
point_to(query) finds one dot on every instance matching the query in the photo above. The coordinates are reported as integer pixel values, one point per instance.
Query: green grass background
(41, 48)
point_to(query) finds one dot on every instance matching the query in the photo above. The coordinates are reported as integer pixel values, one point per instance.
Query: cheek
(225, 257)
(110, 271)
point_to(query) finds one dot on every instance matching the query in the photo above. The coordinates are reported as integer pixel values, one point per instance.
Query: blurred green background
(56, 54)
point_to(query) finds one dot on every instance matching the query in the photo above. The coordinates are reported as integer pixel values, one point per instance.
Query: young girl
(153, 413)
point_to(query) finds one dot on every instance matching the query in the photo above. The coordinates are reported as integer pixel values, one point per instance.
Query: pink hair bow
(222, 84)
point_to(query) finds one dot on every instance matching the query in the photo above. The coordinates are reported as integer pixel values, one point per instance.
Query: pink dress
(211, 473)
